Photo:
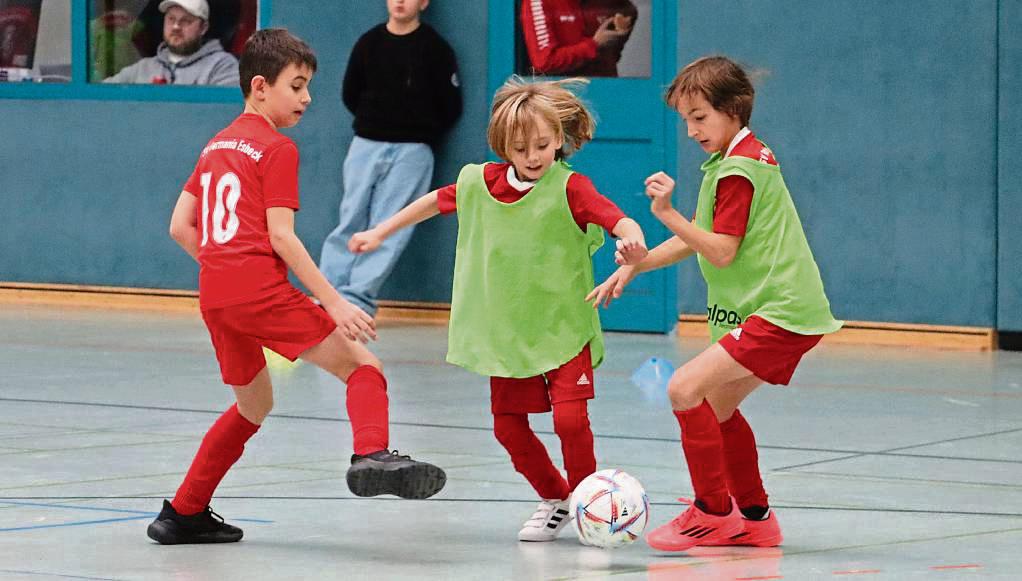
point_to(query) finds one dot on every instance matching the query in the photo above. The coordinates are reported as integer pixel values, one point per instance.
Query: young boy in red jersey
(236, 218)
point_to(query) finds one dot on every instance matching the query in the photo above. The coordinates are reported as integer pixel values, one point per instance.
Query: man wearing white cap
(184, 57)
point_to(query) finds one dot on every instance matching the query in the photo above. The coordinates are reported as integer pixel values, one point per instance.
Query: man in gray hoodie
(184, 57)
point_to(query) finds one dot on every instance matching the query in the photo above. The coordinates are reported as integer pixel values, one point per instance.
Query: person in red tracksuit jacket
(570, 37)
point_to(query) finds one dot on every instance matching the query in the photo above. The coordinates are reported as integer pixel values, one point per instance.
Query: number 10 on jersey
(228, 192)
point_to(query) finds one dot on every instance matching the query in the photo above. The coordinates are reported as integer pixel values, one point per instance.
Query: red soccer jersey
(245, 169)
(734, 193)
(588, 206)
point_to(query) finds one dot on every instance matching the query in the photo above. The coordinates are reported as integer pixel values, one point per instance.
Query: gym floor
(881, 463)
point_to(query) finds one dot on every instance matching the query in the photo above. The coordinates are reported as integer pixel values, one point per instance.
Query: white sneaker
(546, 523)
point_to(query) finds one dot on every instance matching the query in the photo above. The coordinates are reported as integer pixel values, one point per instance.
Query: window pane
(35, 40)
(590, 38)
(194, 42)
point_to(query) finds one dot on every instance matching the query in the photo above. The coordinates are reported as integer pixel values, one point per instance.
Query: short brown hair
(721, 81)
(268, 52)
(518, 102)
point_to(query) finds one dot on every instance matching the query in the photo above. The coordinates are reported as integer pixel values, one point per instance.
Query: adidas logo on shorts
(736, 333)
(583, 380)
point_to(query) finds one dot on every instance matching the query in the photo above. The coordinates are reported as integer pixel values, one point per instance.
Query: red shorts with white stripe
(287, 323)
(768, 351)
(534, 395)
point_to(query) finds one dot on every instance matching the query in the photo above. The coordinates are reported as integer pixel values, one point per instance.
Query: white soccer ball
(610, 509)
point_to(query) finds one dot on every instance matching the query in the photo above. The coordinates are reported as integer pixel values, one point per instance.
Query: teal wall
(1009, 174)
(884, 118)
(896, 125)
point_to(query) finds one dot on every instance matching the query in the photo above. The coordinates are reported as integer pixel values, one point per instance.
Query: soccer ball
(610, 509)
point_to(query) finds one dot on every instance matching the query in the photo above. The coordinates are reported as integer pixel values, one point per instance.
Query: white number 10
(231, 185)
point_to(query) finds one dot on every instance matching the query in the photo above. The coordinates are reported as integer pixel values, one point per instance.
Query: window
(135, 42)
(35, 40)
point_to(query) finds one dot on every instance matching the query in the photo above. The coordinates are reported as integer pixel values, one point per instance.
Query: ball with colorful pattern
(610, 509)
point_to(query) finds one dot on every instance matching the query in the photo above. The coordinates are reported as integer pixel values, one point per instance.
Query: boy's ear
(258, 84)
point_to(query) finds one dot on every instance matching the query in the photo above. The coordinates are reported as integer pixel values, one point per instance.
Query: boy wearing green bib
(527, 230)
(765, 305)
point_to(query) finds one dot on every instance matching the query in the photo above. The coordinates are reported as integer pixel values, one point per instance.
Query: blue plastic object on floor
(652, 376)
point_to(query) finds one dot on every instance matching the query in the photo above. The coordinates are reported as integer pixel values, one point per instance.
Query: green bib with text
(521, 274)
(773, 275)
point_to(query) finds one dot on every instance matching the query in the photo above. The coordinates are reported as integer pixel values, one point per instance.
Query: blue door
(635, 137)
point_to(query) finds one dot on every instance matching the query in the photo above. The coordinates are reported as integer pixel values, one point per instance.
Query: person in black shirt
(402, 86)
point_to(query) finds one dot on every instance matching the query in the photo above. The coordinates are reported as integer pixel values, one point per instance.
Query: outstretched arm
(418, 211)
(718, 249)
(353, 321)
(668, 252)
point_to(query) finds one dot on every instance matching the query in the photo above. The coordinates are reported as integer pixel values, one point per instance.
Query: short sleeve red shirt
(588, 206)
(734, 193)
(245, 169)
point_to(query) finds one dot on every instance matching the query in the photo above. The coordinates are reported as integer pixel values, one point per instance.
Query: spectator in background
(576, 37)
(184, 57)
(402, 86)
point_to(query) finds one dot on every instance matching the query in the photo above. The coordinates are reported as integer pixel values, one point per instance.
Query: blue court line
(148, 513)
(74, 524)
(140, 515)
(43, 573)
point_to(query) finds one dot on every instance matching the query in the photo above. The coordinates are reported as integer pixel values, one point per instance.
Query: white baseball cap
(197, 8)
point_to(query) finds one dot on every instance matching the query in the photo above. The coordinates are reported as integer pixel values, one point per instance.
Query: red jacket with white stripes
(559, 35)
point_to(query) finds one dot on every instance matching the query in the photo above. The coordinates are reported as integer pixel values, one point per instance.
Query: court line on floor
(15, 499)
(849, 453)
(61, 575)
(137, 515)
(894, 451)
(78, 523)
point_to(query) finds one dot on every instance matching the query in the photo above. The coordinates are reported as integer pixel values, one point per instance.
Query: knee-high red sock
(220, 449)
(741, 461)
(368, 411)
(529, 456)
(571, 423)
(703, 445)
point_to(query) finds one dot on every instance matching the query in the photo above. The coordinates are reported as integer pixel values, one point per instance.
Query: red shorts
(288, 323)
(534, 395)
(768, 351)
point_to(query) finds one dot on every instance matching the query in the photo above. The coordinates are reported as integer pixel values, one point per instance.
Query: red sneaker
(757, 533)
(695, 527)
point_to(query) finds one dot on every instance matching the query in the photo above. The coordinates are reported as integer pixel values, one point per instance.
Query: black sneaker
(387, 472)
(171, 528)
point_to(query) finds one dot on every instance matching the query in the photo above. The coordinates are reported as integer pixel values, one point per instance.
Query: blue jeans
(380, 178)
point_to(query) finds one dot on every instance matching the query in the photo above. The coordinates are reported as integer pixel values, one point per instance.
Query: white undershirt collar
(515, 182)
(738, 139)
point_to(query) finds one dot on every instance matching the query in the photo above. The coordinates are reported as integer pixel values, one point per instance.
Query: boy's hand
(629, 251)
(659, 187)
(355, 323)
(362, 242)
(612, 287)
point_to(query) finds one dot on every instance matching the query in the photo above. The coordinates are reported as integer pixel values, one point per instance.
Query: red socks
(368, 409)
(703, 445)
(571, 423)
(220, 449)
(742, 462)
(529, 456)
(225, 441)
